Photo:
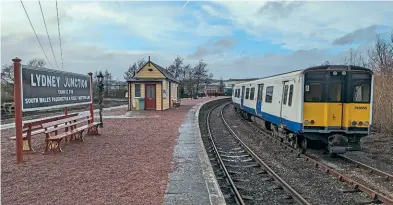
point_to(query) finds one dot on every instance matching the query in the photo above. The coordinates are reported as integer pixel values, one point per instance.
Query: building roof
(164, 71)
(145, 80)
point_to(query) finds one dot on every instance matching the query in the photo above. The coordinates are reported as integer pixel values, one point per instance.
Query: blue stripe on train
(293, 126)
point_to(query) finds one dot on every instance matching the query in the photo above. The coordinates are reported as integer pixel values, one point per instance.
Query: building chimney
(149, 61)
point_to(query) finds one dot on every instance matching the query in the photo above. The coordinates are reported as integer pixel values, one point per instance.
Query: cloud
(217, 47)
(110, 35)
(363, 34)
(305, 25)
(277, 9)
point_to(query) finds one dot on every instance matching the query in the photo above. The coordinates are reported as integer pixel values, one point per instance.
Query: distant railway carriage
(228, 91)
(331, 104)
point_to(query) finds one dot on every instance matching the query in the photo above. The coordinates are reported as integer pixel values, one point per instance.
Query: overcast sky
(236, 39)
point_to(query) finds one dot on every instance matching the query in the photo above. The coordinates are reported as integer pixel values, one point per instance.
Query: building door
(150, 97)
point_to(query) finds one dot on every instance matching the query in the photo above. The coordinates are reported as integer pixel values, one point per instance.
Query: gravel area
(377, 151)
(315, 185)
(128, 164)
(360, 175)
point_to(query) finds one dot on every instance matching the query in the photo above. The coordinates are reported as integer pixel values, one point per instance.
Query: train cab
(337, 105)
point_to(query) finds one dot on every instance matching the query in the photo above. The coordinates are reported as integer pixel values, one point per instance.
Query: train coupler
(337, 144)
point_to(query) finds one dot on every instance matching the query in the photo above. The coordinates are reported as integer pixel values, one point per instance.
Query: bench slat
(57, 122)
(66, 134)
(62, 126)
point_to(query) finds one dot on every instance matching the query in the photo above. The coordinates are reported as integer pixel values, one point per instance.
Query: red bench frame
(29, 128)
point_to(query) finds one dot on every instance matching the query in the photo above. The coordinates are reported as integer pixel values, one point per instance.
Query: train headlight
(312, 122)
(354, 123)
(360, 123)
(366, 123)
(306, 122)
(344, 73)
(334, 72)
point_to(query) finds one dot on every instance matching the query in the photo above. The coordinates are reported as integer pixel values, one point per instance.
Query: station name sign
(47, 88)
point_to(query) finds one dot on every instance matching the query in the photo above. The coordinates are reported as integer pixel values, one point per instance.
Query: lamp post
(101, 95)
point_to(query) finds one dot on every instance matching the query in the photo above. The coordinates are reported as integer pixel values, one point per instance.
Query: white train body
(316, 103)
(271, 109)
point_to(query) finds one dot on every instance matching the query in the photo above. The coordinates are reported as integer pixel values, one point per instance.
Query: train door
(259, 100)
(335, 100)
(284, 112)
(242, 97)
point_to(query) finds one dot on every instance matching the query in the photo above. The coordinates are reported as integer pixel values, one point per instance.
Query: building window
(290, 95)
(269, 94)
(285, 94)
(252, 93)
(247, 92)
(137, 90)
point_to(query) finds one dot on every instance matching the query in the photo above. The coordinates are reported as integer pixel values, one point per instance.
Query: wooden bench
(33, 128)
(70, 125)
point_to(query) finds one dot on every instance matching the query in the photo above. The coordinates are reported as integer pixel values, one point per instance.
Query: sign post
(42, 89)
(18, 109)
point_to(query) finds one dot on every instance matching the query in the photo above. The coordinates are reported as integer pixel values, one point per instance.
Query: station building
(152, 88)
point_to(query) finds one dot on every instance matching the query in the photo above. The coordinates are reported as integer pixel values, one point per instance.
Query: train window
(285, 94)
(361, 93)
(260, 91)
(238, 93)
(247, 93)
(252, 93)
(334, 92)
(269, 94)
(313, 92)
(290, 95)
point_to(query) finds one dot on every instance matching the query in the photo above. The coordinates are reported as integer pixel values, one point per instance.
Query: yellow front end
(356, 115)
(336, 116)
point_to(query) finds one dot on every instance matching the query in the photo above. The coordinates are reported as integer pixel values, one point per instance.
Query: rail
(374, 195)
(237, 194)
(298, 198)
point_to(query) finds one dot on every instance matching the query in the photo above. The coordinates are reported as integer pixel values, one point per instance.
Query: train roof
(314, 68)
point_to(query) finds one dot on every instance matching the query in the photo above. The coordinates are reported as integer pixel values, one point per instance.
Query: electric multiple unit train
(330, 104)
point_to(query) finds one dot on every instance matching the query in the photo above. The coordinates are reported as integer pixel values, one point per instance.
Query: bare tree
(37, 62)
(176, 68)
(381, 56)
(132, 69)
(201, 74)
(381, 62)
(355, 58)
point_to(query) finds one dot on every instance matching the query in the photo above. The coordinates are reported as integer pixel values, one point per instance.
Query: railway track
(375, 196)
(249, 179)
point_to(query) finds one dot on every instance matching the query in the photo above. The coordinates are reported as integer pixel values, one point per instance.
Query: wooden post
(18, 109)
(92, 97)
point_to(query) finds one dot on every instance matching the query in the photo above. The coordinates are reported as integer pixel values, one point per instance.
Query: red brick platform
(128, 164)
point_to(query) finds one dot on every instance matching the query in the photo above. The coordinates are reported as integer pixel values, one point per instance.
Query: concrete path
(192, 180)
